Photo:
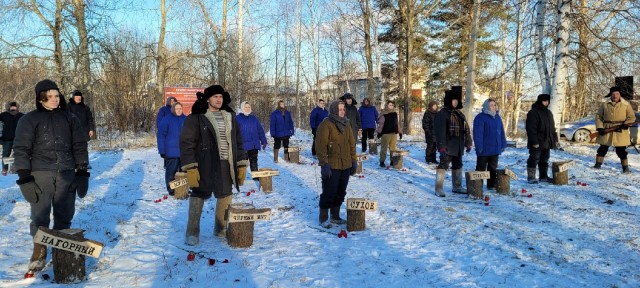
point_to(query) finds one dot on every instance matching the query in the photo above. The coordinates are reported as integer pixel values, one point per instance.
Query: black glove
(354, 167)
(601, 131)
(325, 171)
(624, 126)
(81, 183)
(163, 156)
(30, 190)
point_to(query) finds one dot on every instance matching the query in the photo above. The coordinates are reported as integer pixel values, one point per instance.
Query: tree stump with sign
(474, 182)
(397, 158)
(503, 180)
(373, 147)
(265, 175)
(292, 154)
(361, 158)
(561, 171)
(180, 192)
(356, 207)
(241, 218)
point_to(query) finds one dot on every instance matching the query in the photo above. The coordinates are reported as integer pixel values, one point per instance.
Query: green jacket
(333, 147)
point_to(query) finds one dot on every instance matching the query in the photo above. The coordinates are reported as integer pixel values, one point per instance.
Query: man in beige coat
(614, 113)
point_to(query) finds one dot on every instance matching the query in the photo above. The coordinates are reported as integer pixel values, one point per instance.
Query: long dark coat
(455, 145)
(541, 129)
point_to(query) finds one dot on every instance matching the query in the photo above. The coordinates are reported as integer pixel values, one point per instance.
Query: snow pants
(56, 193)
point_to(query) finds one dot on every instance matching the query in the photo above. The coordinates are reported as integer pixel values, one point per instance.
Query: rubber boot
(456, 180)
(335, 216)
(193, 223)
(543, 174)
(324, 218)
(221, 209)
(275, 155)
(599, 160)
(440, 182)
(531, 176)
(625, 166)
(38, 257)
(286, 154)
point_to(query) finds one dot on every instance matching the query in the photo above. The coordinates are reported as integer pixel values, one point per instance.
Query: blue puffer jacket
(251, 131)
(169, 135)
(317, 115)
(368, 116)
(488, 134)
(281, 126)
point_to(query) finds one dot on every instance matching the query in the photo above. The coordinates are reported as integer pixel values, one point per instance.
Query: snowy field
(561, 236)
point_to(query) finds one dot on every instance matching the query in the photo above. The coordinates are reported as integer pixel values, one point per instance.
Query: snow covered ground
(562, 236)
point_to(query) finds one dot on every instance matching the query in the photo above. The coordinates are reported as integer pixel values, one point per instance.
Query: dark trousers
(56, 193)
(253, 159)
(7, 145)
(621, 151)
(446, 159)
(280, 142)
(313, 144)
(334, 189)
(366, 135)
(171, 166)
(490, 163)
(540, 158)
(430, 153)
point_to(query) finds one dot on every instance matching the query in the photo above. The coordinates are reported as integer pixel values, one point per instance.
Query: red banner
(184, 95)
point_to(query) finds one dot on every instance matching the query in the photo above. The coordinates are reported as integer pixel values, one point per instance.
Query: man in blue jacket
(281, 129)
(165, 110)
(317, 115)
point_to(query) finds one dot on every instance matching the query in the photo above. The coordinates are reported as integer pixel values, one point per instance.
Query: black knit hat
(76, 93)
(544, 97)
(46, 85)
(614, 89)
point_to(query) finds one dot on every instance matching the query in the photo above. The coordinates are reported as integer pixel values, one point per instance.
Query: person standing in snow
(429, 135)
(9, 121)
(165, 110)
(541, 138)
(389, 128)
(453, 138)
(617, 112)
(368, 117)
(168, 137)
(336, 148)
(489, 139)
(281, 129)
(253, 137)
(317, 115)
(352, 114)
(51, 160)
(212, 155)
(83, 112)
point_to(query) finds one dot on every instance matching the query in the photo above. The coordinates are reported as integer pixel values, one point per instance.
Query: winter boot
(286, 154)
(543, 174)
(324, 218)
(456, 180)
(335, 216)
(531, 176)
(221, 209)
(440, 182)
(38, 257)
(625, 166)
(382, 164)
(599, 160)
(193, 223)
(275, 155)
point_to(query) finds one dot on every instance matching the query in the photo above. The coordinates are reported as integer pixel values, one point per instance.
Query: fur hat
(201, 105)
(614, 89)
(348, 96)
(76, 93)
(210, 91)
(544, 97)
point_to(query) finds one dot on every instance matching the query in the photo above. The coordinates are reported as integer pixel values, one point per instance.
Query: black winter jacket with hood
(540, 126)
(351, 112)
(83, 112)
(9, 122)
(455, 144)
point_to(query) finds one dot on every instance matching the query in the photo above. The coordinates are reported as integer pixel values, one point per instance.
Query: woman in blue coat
(168, 137)
(252, 134)
(368, 118)
(281, 129)
(488, 135)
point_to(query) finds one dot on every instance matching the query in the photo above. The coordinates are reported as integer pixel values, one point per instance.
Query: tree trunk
(84, 60)
(471, 64)
(239, 64)
(559, 87)
(161, 60)
(366, 14)
(538, 36)
(221, 46)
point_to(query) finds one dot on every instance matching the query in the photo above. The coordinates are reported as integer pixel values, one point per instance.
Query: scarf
(487, 110)
(242, 108)
(455, 123)
(340, 122)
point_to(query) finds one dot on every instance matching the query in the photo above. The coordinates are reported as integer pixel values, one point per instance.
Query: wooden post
(180, 192)
(561, 171)
(356, 207)
(503, 182)
(265, 176)
(397, 158)
(474, 182)
(241, 217)
(361, 158)
(373, 146)
(292, 154)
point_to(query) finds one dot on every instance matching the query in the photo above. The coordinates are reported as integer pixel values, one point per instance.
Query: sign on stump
(180, 190)
(356, 208)
(397, 158)
(561, 171)
(503, 181)
(373, 147)
(292, 154)
(265, 175)
(241, 217)
(361, 158)
(474, 182)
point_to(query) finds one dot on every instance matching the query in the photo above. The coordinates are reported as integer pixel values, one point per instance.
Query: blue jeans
(171, 166)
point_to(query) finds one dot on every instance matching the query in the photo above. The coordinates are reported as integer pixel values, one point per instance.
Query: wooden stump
(397, 159)
(560, 172)
(359, 169)
(292, 154)
(474, 183)
(68, 267)
(373, 147)
(503, 182)
(356, 220)
(266, 183)
(181, 192)
(241, 219)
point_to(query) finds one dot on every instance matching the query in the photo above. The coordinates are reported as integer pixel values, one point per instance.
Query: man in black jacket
(51, 160)
(541, 138)
(9, 121)
(429, 133)
(83, 112)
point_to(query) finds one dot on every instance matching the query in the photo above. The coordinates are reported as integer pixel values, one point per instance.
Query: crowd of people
(214, 145)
